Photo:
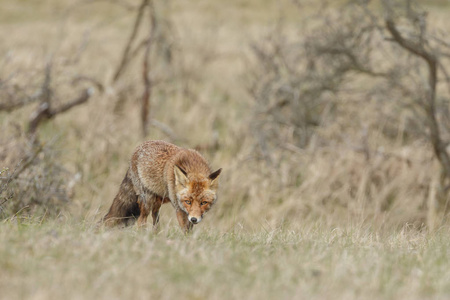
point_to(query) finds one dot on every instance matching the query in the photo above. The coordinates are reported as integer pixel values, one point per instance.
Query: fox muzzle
(195, 220)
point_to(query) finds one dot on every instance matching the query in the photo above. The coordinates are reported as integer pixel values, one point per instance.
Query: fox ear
(213, 176)
(180, 176)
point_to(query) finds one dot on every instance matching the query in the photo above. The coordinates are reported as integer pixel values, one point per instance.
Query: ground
(78, 261)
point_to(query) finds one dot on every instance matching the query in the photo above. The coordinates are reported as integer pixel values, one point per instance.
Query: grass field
(359, 212)
(76, 261)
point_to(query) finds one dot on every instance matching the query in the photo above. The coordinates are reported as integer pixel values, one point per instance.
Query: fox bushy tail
(124, 209)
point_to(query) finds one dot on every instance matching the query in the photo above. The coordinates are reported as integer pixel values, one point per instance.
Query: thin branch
(412, 47)
(139, 47)
(20, 168)
(8, 107)
(145, 108)
(125, 57)
(432, 62)
(45, 112)
(91, 80)
(82, 98)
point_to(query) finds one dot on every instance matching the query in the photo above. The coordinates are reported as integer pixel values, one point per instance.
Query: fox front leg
(182, 217)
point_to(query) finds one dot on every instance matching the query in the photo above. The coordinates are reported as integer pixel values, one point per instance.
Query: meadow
(333, 194)
(76, 261)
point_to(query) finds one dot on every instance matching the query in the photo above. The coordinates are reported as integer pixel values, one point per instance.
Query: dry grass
(326, 221)
(75, 261)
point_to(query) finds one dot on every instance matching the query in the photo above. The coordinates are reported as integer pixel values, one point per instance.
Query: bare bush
(348, 54)
(34, 179)
(36, 182)
(356, 72)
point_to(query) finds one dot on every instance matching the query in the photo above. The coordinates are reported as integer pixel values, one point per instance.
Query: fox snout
(195, 220)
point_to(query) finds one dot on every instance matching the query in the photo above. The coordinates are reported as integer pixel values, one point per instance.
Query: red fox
(159, 173)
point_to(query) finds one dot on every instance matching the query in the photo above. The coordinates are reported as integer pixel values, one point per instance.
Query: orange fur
(159, 173)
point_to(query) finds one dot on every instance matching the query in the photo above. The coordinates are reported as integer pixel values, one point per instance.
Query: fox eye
(188, 202)
(204, 203)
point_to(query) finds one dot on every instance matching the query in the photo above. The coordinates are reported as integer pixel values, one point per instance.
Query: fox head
(196, 193)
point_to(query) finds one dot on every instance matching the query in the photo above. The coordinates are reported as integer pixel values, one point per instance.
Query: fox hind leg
(124, 208)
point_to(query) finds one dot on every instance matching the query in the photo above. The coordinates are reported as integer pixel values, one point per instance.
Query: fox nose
(195, 220)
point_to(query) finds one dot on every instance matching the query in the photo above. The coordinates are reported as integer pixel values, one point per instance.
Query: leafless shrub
(355, 70)
(290, 100)
(352, 42)
(351, 54)
(34, 179)
(36, 183)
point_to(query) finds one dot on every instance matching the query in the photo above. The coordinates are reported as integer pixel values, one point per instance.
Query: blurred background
(336, 111)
